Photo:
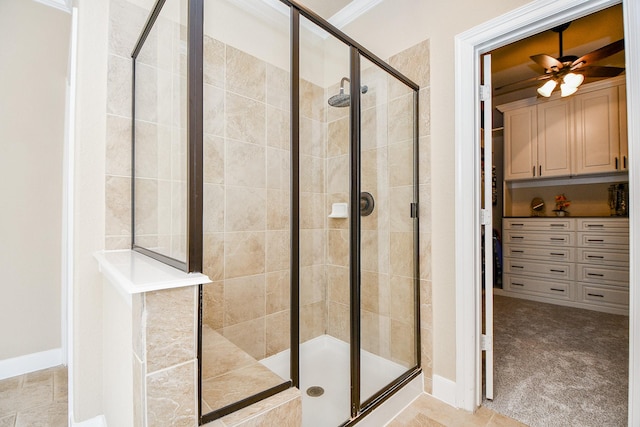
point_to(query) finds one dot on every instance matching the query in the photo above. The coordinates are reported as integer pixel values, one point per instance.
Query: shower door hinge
(485, 92)
(485, 217)
(414, 210)
(486, 342)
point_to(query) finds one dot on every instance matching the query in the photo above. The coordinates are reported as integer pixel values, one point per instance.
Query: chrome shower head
(344, 99)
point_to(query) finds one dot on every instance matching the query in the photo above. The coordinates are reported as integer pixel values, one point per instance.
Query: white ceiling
(511, 63)
(325, 8)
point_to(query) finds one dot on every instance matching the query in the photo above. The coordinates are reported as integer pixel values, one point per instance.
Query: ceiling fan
(568, 71)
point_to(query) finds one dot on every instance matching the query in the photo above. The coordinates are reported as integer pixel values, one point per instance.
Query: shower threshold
(324, 363)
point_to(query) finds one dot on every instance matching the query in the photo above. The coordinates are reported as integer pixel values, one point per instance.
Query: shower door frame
(358, 409)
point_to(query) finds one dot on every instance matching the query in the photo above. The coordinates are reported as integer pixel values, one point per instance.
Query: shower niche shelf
(339, 210)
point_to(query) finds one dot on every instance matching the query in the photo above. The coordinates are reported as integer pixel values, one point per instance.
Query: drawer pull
(516, 284)
(513, 251)
(558, 239)
(595, 225)
(517, 266)
(595, 240)
(558, 225)
(556, 271)
(595, 257)
(595, 295)
(595, 274)
(517, 237)
(557, 290)
(517, 225)
(556, 254)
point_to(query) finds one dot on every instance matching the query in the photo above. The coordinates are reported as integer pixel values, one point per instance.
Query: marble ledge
(131, 272)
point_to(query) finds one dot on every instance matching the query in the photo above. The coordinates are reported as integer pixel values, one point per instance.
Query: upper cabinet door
(624, 143)
(597, 132)
(555, 134)
(520, 157)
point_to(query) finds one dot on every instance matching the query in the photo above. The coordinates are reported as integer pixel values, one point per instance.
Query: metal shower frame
(195, 193)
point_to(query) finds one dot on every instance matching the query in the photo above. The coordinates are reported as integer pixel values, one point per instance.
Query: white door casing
(520, 23)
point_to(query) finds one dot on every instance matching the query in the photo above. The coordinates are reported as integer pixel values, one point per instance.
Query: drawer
(611, 225)
(603, 295)
(602, 275)
(540, 253)
(538, 224)
(539, 239)
(532, 286)
(553, 270)
(603, 240)
(603, 257)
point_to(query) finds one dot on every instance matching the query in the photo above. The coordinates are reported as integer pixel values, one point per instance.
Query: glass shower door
(388, 285)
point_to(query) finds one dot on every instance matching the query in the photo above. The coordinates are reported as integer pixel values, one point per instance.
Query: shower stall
(292, 183)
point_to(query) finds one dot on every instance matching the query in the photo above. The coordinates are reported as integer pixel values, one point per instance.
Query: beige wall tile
(338, 141)
(244, 254)
(139, 393)
(244, 299)
(375, 292)
(402, 302)
(312, 101)
(278, 250)
(171, 397)
(249, 336)
(414, 62)
(402, 343)
(401, 119)
(313, 137)
(401, 164)
(312, 247)
(138, 325)
(170, 327)
(221, 356)
(245, 164)
(278, 128)
(125, 22)
(278, 291)
(214, 112)
(338, 284)
(313, 318)
(424, 105)
(338, 247)
(374, 127)
(337, 175)
(118, 157)
(312, 284)
(214, 164)
(118, 206)
(278, 87)
(213, 256)
(213, 305)
(401, 248)
(278, 209)
(245, 74)
(278, 337)
(213, 208)
(245, 119)
(255, 412)
(214, 61)
(245, 209)
(312, 210)
(312, 174)
(119, 84)
(400, 209)
(338, 321)
(372, 251)
(278, 169)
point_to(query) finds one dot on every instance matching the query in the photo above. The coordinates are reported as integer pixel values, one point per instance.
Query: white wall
(33, 66)
(398, 25)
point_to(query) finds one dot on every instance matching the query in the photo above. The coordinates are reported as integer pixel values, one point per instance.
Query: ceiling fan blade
(546, 61)
(599, 54)
(596, 71)
(510, 87)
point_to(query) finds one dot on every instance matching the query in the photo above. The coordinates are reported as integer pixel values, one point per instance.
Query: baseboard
(444, 389)
(30, 363)
(99, 421)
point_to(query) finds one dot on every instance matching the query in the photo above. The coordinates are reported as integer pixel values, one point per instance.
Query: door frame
(520, 23)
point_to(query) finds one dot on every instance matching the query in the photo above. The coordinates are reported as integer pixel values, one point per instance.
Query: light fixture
(567, 90)
(546, 89)
(573, 79)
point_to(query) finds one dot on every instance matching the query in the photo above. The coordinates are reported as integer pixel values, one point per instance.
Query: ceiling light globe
(546, 89)
(567, 90)
(573, 79)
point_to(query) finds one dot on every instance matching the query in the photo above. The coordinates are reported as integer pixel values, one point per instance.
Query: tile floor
(39, 399)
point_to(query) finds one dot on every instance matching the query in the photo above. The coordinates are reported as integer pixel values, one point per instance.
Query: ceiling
(511, 63)
(325, 8)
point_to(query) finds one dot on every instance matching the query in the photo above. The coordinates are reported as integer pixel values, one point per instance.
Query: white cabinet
(555, 133)
(580, 262)
(521, 144)
(597, 132)
(583, 134)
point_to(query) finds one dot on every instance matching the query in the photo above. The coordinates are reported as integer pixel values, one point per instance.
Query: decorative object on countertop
(562, 203)
(537, 207)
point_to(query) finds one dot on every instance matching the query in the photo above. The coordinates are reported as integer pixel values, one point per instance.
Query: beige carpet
(559, 366)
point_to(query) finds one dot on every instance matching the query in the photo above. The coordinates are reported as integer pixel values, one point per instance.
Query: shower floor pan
(324, 362)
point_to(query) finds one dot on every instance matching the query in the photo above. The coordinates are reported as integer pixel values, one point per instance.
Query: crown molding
(64, 5)
(352, 11)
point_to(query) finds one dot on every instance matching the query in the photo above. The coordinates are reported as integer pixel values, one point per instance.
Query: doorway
(516, 25)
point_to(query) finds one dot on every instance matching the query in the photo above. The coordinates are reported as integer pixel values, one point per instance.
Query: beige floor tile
(8, 421)
(499, 420)
(54, 415)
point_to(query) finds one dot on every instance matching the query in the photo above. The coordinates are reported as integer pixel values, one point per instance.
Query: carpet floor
(559, 366)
